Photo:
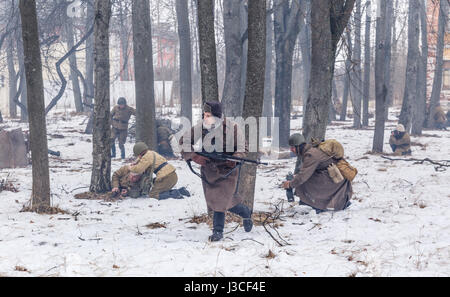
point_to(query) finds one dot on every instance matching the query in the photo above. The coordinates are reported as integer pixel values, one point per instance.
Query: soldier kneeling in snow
(400, 141)
(315, 181)
(151, 163)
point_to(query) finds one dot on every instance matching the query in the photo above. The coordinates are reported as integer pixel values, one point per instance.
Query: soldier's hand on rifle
(124, 192)
(230, 164)
(286, 185)
(199, 159)
(115, 190)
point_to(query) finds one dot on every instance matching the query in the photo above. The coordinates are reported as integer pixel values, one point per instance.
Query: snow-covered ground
(398, 223)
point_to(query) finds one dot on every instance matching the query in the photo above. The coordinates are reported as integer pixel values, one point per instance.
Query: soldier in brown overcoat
(439, 117)
(219, 178)
(313, 183)
(120, 116)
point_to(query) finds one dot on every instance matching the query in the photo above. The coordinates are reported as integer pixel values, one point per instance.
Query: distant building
(433, 7)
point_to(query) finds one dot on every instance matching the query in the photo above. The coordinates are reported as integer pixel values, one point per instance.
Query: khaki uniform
(120, 178)
(401, 146)
(120, 119)
(153, 163)
(314, 185)
(220, 193)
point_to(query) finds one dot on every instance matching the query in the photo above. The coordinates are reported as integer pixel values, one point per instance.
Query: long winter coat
(314, 185)
(220, 193)
(401, 146)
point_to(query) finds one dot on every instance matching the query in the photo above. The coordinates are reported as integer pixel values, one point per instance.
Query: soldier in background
(120, 116)
(439, 117)
(164, 134)
(400, 141)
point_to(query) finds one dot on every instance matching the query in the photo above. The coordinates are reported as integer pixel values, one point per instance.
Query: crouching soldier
(149, 163)
(120, 116)
(400, 141)
(219, 178)
(313, 183)
(440, 118)
(164, 133)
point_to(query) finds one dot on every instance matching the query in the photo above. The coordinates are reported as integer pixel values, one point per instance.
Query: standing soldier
(120, 116)
(219, 178)
(400, 141)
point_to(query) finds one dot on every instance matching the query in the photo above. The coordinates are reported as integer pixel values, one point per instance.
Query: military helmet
(296, 139)
(122, 101)
(139, 148)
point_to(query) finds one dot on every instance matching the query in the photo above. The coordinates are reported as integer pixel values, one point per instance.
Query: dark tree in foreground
(40, 197)
(254, 90)
(101, 155)
(143, 72)
(380, 82)
(328, 21)
(184, 34)
(207, 46)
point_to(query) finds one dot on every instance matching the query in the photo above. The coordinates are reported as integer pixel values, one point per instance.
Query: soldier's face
(293, 150)
(208, 118)
(121, 106)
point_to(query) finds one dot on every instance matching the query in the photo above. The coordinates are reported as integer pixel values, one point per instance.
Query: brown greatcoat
(314, 185)
(121, 117)
(220, 193)
(439, 115)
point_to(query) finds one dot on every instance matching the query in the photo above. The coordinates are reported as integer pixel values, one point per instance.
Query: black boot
(183, 191)
(243, 211)
(170, 194)
(218, 225)
(122, 151)
(113, 150)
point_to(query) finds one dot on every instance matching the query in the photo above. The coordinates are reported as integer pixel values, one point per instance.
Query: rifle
(290, 192)
(225, 157)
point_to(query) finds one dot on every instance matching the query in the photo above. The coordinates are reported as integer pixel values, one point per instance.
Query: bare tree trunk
(357, 82)
(305, 46)
(101, 163)
(254, 94)
(411, 66)
(348, 77)
(387, 61)
(184, 33)
(380, 82)
(367, 54)
(143, 69)
(40, 201)
(231, 98)
(24, 93)
(207, 46)
(73, 66)
(268, 102)
(421, 93)
(89, 55)
(124, 39)
(286, 30)
(12, 79)
(328, 21)
(437, 81)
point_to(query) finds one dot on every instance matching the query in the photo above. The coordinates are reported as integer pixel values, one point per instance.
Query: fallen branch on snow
(440, 164)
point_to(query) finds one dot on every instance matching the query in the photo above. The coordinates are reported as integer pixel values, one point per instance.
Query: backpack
(334, 149)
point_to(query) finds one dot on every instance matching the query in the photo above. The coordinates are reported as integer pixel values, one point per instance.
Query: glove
(200, 160)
